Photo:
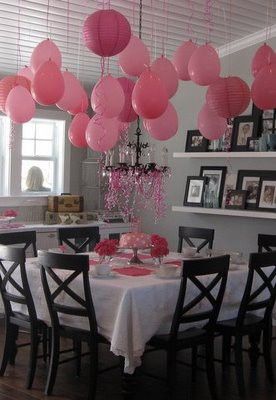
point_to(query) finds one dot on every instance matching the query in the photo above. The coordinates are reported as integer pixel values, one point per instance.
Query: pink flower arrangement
(10, 213)
(159, 246)
(106, 247)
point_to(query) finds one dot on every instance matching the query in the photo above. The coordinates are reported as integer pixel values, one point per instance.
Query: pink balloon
(107, 97)
(127, 114)
(263, 56)
(228, 97)
(149, 96)
(204, 65)
(20, 106)
(135, 57)
(48, 84)
(45, 51)
(72, 92)
(102, 133)
(77, 128)
(210, 125)
(263, 90)
(106, 32)
(167, 73)
(164, 127)
(181, 59)
(82, 104)
(123, 126)
(7, 84)
(26, 72)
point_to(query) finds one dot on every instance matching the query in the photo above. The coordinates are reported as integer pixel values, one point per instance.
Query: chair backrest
(187, 234)
(79, 238)
(27, 239)
(261, 295)
(58, 271)
(15, 289)
(209, 277)
(266, 242)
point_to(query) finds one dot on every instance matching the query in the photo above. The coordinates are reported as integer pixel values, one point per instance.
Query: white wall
(230, 232)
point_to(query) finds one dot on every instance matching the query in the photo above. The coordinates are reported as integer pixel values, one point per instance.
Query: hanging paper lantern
(127, 114)
(149, 96)
(167, 73)
(45, 51)
(165, 126)
(228, 97)
(263, 90)
(106, 32)
(72, 92)
(210, 125)
(82, 104)
(181, 59)
(135, 57)
(107, 98)
(48, 84)
(102, 133)
(26, 72)
(204, 65)
(263, 56)
(20, 106)
(77, 128)
(7, 84)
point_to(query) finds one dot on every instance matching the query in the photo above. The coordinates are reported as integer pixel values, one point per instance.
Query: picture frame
(230, 184)
(237, 200)
(267, 119)
(216, 180)
(252, 144)
(194, 191)
(244, 126)
(195, 142)
(267, 194)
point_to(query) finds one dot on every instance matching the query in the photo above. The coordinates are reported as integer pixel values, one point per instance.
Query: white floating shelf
(226, 212)
(229, 154)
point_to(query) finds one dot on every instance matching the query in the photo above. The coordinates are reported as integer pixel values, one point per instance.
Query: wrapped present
(65, 203)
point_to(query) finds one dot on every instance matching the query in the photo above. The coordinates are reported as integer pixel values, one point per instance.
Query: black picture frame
(239, 137)
(239, 194)
(250, 143)
(263, 116)
(270, 200)
(188, 195)
(220, 189)
(191, 142)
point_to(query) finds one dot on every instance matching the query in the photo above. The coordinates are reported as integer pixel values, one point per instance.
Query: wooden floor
(109, 385)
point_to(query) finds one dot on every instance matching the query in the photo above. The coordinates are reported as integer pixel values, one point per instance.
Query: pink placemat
(129, 255)
(133, 271)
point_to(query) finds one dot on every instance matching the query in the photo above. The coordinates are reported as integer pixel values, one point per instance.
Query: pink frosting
(135, 239)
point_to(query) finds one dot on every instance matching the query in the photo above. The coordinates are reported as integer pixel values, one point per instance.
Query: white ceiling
(233, 20)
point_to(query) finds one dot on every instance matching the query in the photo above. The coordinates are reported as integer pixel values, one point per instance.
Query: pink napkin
(133, 271)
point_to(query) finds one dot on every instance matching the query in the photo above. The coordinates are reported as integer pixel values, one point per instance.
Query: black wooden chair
(266, 243)
(79, 239)
(187, 234)
(62, 270)
(27, 239)
(207, 275)
(16, 290)
(247, 323)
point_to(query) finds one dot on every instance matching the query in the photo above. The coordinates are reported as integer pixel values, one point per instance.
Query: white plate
(160, 276)
(113, 274)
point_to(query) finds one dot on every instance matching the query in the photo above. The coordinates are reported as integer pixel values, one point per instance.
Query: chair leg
(33, 357)
(14, 337)
(171, 371)
(194, 363)
(93, 371)
(45, 343)
(10, 335)
(254, 351)
(226, 350)
(210, 368)
(54, 360)
(77, 351)
(239, 365)
(267, 334)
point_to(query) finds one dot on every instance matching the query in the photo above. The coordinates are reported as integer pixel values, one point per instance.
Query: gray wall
(233, 233)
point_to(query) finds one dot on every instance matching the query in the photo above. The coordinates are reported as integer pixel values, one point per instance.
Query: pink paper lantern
(106, 32)
(164, 127)
(149, 96)
(20, 106)
(102, 133)
(7, 84)
(204, 65)
(167, 73)
(127, 114)
(135, 57)
(228, 97)
(263, 56)
(77, 128)
(72, 92)
(48, 84)
(107, 98)
(45, 51)
(263, 90)
(210, 125)
(82, 104)
(27, 73)
(181, 59)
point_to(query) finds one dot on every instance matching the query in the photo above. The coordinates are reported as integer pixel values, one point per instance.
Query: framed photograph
(244, 127)
(267, 194)
(230, 184)
(268, 114)
(195, 142)
(194, 191)
(268, 124)
(252, 144)
(216, 180)
(236, 199)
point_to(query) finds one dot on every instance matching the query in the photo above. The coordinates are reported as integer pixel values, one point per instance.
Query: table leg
(129, 382)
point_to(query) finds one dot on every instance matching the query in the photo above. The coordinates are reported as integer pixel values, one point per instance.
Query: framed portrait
(195, 142)
(267, 119)
(267, 194)
(216, 180)
(244, 127)
(236, 199)
(252, 144)
(194, 191)
(230, 184)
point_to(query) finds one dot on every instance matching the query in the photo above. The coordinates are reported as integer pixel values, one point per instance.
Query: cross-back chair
(27, 239)
(266, 243)
(186, 234)
(79, 239)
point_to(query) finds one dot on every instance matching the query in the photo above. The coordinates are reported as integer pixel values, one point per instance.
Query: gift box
(65, 203)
